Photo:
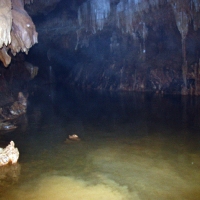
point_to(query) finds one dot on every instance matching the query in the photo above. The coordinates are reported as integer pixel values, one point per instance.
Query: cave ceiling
(55, 18)
(131, 33)
(78, 20)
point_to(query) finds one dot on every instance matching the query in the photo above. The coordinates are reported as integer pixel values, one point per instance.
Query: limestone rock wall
(17, 30)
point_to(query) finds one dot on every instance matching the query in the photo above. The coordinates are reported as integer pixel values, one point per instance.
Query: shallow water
(133, 146)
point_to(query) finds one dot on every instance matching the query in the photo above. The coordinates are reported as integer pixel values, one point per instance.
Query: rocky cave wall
(17, 34)
(125, 45)
(150, 48)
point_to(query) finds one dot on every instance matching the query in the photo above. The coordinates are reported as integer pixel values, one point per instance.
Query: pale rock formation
(9, 154)
(17, 31)
(5, 22)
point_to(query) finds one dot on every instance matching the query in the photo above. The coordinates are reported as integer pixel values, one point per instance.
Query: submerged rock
(72, 138)
(7, 126)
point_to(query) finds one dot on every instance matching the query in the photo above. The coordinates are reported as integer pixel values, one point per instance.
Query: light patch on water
(151, 171)
(67, 188)
(111, 169)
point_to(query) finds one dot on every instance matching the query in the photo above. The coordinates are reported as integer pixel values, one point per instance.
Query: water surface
(133, 146)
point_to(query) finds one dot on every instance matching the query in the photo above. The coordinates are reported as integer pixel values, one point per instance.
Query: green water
(133, 146)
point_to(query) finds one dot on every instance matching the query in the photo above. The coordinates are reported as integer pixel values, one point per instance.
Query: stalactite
(78, 32)
(196, 5)
(144, 36)
(182, 22)
(5, 22)
(126, 14)
(17, 30)
(83, 16)
(93, 14)
(99, 13)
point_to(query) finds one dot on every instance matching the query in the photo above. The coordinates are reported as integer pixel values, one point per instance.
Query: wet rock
(14, 110)
(72, 138)
(7, 126)
(11, 112)
(9, 154)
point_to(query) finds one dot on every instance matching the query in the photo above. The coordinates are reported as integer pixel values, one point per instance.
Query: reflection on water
(133, 146)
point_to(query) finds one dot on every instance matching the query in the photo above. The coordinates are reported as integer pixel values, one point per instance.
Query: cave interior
(115, 45)
(100, 97)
